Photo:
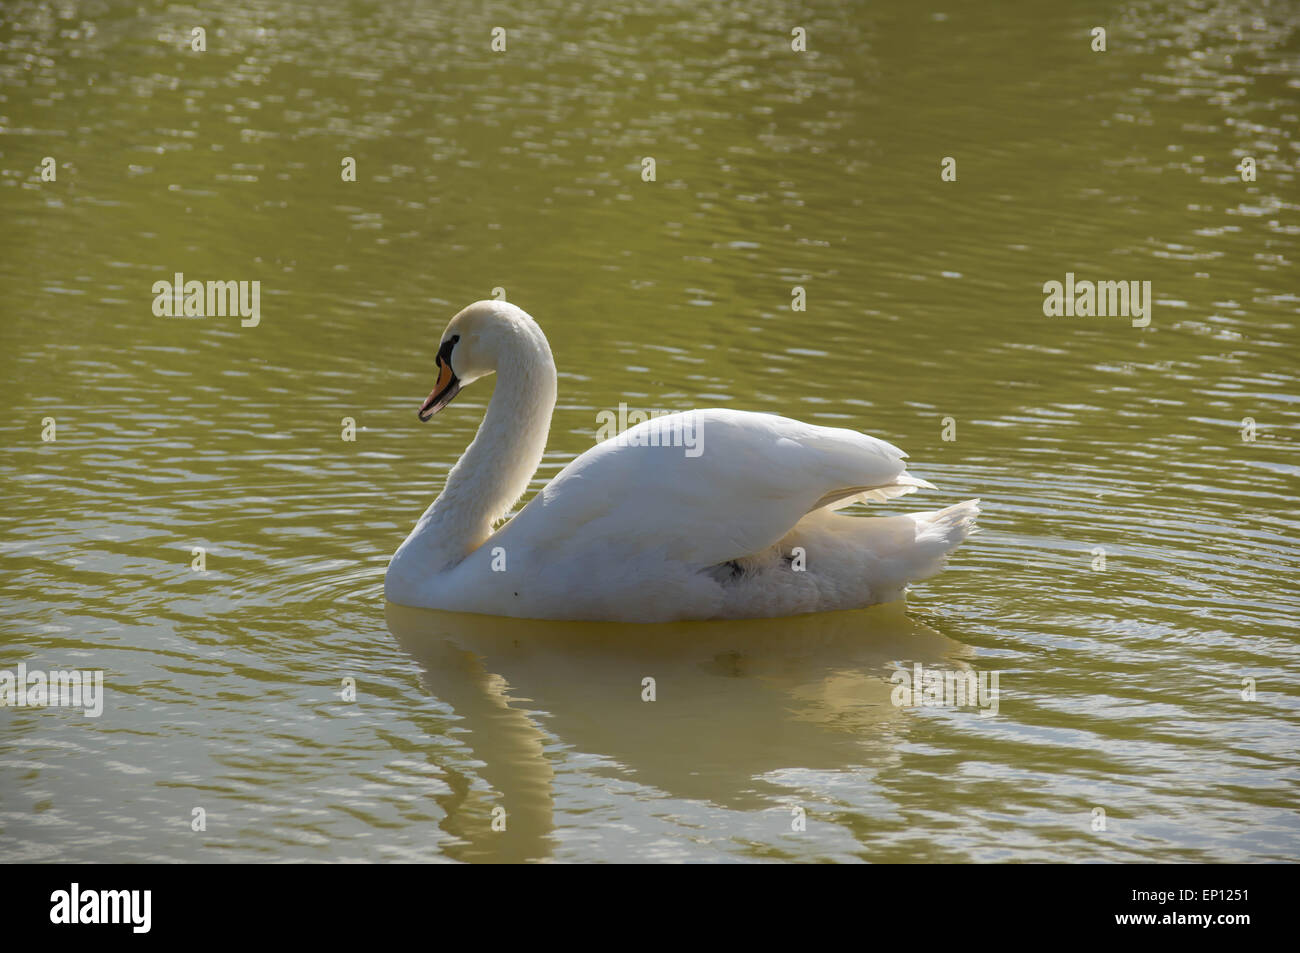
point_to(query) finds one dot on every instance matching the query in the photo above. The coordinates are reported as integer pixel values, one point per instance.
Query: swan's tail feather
(955, 523)
(938, 533)
(852, 561)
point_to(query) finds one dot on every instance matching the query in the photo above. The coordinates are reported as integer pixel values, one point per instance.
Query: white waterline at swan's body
(638, 531)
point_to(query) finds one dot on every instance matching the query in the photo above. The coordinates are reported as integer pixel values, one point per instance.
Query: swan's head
(481, 339)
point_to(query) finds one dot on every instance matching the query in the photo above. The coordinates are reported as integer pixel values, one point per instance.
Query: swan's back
(752, 478)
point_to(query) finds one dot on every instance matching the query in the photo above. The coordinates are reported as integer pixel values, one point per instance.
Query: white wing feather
(755, 477)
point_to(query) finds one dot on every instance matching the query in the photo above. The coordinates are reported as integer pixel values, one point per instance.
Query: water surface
(1121, 686)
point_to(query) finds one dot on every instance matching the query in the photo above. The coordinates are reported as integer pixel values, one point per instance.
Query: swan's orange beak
(444, 391)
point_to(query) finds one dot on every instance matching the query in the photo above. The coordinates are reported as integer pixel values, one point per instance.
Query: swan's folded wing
(705, 486)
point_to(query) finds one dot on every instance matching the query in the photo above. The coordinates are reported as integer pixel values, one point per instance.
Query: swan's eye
(444, 352)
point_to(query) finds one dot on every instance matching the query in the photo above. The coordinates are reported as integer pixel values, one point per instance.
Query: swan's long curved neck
(495, 469)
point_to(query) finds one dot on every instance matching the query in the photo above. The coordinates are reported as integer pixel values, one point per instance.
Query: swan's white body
(634, 530)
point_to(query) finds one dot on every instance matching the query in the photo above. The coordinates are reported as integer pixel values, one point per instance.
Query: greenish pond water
(1136, 571)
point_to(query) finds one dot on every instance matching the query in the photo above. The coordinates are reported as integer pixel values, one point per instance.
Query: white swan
(701, 515)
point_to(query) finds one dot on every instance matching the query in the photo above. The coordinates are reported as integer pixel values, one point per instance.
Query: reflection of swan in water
(737, 703)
